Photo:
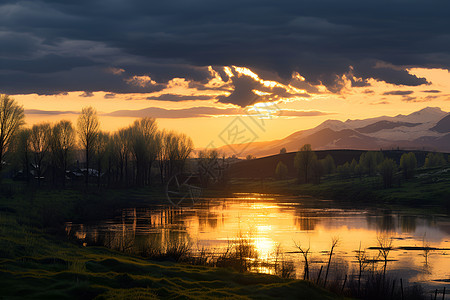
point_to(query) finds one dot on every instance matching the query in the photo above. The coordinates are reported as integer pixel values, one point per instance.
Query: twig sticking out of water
(334, 242)
(305, 253)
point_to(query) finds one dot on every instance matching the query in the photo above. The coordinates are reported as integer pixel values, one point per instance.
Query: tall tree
(101, 148)
(144, 146)
(370, 161)
(387, 169)
(88, 127)
(23, 152)
(11, 118)
(40, 139)
(176, 148)
(408, 164)
(62, 145)
(303, 162)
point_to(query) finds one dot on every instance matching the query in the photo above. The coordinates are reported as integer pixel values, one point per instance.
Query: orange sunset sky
(197, 65)
(375, 100)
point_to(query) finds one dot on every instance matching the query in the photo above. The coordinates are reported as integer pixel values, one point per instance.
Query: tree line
(122, 158)
(310, 169)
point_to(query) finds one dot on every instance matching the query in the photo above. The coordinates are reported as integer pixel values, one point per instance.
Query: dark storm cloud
(193, 112)
(244, 91)
(49, 112)
(202, 112)
(55, 46)
(398, 93)
(109, 96)
(299, 113)
(177, 98)
(87, 94)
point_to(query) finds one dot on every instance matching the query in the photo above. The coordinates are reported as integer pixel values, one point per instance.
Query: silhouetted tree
(387, 169)
(370, 161)
(88, 127)
(100, 150)
(208, 164)
(62, 146)
(302, 162)
(11, 118)
(434, 160)
(22, 151)
(40, 139)
(328, 164)
(344, 170)
(144, 146)
(317, 169)
(283, 150)
(177, 148)
(408, 164)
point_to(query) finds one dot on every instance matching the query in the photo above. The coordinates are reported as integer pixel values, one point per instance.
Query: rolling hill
(426, 129)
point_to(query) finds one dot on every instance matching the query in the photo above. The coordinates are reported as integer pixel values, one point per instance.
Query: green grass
(37, 261)
(429, 189)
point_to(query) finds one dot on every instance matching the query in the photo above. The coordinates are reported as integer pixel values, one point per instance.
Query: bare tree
(176, 149)
(22, 151)
(361, 256)
(40, 139)
(62, 145)
(101, 147)
(11, 118)
(305, 253)
(334, 243)
(384, 247)
(88, 127)
(123, 140)
(144, 146)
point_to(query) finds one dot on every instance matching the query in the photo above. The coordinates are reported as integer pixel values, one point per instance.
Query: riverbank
(38, 261)
(428, 190)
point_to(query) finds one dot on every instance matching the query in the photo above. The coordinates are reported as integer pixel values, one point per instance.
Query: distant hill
(426, 129)
(443, 126)
(264, 167)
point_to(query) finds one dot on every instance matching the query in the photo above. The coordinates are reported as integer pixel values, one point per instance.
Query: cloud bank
(138, 46)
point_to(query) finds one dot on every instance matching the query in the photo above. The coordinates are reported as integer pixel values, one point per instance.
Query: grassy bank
(37, 260)
(429, 189)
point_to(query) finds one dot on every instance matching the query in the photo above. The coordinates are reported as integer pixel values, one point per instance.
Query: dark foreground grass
(36, 265)
(38, 262)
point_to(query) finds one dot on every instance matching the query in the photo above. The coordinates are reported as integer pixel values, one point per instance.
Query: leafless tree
(144, 146)
(334, 243)
(22, 151)
(305, 252)
(384, 247)
(101, 148)
(40, 139)
(88, 127)
(11, 118)
(63, 145)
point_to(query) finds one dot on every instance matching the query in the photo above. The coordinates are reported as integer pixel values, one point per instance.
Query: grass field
(38, 262)
(429, 189)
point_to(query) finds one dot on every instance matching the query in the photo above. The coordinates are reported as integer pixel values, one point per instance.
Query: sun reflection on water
(267, 221)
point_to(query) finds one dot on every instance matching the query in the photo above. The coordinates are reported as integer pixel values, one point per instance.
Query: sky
(201, 67)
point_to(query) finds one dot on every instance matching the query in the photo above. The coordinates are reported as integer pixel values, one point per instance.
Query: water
(271, 222)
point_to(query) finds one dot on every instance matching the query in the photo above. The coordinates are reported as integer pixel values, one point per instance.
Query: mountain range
(426, 129)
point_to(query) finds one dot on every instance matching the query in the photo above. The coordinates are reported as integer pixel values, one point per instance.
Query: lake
(275, 225)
